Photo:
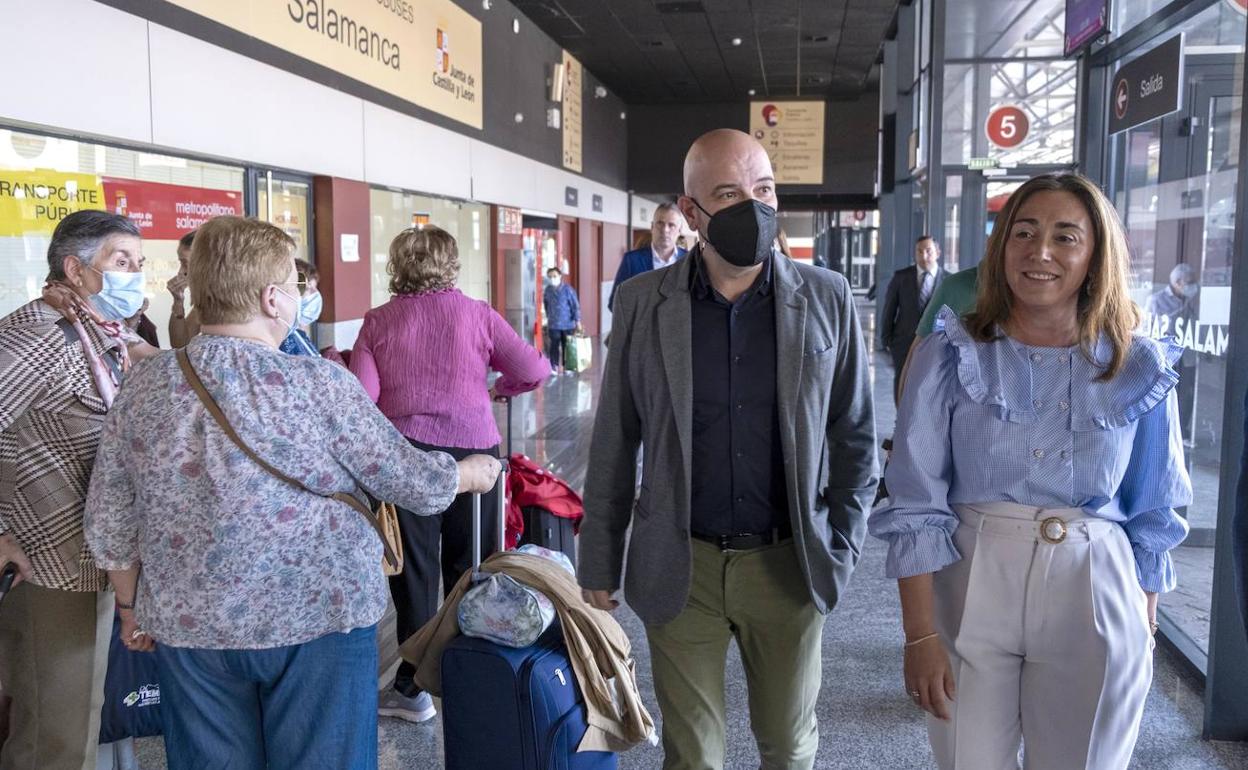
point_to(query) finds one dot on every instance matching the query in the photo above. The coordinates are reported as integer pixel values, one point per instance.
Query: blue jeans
(310, 705)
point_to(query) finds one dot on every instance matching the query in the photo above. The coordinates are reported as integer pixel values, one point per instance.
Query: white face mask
(556, 280)
(121, 296)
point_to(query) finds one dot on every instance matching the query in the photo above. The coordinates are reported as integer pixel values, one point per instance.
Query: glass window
(1173, 181)
(290, 209)
(953, 221)
(1044, 90)
(43, 178)
(469, 223)
(1130, 13)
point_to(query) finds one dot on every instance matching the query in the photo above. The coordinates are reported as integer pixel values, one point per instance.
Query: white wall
(108, 74)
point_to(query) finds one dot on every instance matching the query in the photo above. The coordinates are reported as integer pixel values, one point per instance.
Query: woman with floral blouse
(261, 598)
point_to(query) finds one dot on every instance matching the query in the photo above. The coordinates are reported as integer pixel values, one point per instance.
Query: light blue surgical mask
(310, 306)
(291, 325)
(121, 296)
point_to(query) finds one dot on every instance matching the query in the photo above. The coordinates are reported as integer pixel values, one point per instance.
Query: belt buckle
(1053, 530)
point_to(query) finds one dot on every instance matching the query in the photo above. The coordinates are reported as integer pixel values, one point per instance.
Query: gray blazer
(827, 428)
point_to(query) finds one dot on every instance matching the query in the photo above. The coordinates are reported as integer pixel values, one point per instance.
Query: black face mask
(744, 233)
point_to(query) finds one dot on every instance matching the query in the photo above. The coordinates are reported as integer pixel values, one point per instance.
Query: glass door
(1174, 184)
(285, 200)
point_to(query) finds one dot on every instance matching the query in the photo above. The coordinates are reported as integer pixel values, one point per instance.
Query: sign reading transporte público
(34, 202)
(573, 121)
(427, 52)
(792, 133)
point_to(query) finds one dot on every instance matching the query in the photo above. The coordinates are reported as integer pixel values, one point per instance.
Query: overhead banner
(166, 212)
(427, 52)
(34, 202)
(792, 133)
(573, 124)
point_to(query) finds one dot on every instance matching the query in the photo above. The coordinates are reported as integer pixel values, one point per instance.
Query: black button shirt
(738, 464)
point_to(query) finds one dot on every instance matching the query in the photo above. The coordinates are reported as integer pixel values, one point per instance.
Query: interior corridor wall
(132, 81)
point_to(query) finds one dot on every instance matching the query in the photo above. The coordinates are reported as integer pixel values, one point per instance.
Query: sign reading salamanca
(426, 52)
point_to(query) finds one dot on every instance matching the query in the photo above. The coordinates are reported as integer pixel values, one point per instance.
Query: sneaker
(417, 709)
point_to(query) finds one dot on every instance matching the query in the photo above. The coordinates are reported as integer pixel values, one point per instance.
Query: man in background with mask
(745, 376)
(1172, 308)
(57, 380)
(299, 341)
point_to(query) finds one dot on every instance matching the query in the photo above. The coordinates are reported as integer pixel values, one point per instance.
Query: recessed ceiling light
(486, 4)
(736, 41)
(515, 26)
(519, 117)
(752, 92)
(623, 115)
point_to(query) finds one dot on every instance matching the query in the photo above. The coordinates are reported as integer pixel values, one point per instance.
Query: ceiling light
(623, 115)
(736, 41)
(515, 26)
(519, 117)
(752, 92)
(600, 92)
(486, 4)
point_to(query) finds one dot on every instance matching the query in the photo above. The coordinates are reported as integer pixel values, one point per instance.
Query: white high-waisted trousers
(1049, 642)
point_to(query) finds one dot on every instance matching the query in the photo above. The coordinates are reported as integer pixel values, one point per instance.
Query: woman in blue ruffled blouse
(1036, 467)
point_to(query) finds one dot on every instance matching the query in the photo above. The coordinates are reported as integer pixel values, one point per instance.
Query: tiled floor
(865, 719)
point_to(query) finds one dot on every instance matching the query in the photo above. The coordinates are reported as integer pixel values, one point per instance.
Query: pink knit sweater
(424, 359)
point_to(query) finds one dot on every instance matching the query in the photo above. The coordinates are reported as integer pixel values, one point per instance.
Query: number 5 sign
(1007, 126)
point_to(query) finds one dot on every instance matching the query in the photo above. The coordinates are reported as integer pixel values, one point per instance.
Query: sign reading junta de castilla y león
(427, 52)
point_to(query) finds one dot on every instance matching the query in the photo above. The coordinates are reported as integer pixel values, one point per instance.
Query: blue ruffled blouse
(1004, 421)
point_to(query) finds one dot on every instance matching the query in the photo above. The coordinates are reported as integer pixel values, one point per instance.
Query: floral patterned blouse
(232, 557)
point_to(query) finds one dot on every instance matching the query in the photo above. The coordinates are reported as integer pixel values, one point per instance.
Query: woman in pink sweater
(424, 357)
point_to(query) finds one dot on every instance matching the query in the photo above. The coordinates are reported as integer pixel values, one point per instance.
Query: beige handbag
(385, 519)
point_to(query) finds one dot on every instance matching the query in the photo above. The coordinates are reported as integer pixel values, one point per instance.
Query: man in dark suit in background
(909, 291)
(665, 228)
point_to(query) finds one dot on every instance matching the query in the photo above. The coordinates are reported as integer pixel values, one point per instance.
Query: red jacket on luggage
(529, 484)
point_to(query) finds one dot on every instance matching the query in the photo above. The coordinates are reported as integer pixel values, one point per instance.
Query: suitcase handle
(506, 400)
(502, 521)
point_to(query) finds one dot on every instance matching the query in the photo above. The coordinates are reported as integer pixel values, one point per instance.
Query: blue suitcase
(513, 709)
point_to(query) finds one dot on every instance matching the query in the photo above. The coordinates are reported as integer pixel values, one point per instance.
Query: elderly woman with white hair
(262, 592)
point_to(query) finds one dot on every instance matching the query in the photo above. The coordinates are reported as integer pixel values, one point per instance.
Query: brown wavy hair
(1105, 307)
(422, 259)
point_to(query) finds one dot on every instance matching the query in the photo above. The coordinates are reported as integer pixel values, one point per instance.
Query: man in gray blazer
(745, 376)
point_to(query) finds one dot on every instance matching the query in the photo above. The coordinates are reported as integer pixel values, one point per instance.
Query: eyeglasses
(300, 282)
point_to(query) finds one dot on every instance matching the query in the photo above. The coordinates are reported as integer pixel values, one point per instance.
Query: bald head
(725, 168)
(724, 155)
